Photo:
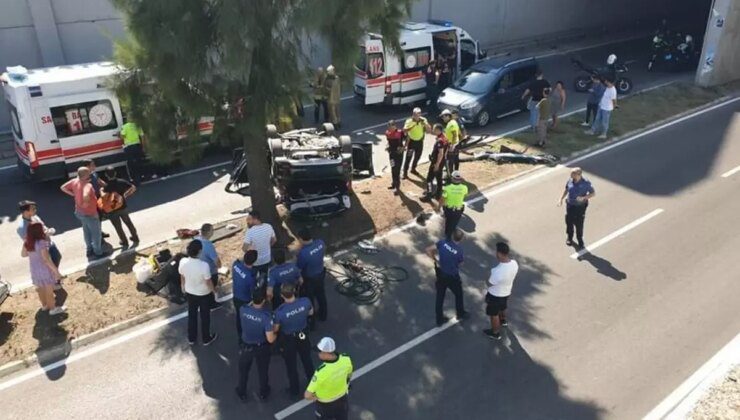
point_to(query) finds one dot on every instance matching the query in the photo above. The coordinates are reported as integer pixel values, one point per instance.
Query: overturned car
(311, 169)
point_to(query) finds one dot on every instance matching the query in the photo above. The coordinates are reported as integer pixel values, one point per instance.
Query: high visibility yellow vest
(131, 134)
(452, 127)
(330, 382)
(416, 129)
(454, 195)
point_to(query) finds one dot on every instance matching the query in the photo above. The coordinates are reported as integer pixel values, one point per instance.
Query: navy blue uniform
(255, 323)
(287, 273)
(447, 270)
(292, 317)
(311, 263)
(244, 284)
(575, 212)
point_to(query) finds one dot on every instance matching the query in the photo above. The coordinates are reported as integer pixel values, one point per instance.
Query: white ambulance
(383, 77)
(62, 115)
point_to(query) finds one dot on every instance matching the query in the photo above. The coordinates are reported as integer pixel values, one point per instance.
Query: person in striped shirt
(259, 237)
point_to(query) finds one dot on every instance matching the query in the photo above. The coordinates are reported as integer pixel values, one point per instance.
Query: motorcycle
(614, 71)
(675, 56)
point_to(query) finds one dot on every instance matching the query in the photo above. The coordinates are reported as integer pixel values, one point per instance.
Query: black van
(490, 88)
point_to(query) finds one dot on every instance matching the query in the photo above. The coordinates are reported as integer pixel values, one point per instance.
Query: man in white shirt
(500, 284)
(195, 280)
(259, 237)
(606, 106)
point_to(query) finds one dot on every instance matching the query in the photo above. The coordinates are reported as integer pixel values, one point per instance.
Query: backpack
(110, 202)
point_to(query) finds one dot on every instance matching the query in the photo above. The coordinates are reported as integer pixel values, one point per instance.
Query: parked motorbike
(674, 55)
(614, 71)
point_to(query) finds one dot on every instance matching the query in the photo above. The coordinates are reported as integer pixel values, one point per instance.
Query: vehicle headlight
(469, 105)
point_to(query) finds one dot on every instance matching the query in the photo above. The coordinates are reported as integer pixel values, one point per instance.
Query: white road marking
(74, 357)
(374, 364)
(731, 172)
(682, 400)
(192, 171)
(616, 233)
(4, 168)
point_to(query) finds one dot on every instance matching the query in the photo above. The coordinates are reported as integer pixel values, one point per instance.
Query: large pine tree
(237, 60)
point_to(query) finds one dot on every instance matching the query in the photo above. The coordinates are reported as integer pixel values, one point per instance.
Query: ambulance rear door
(86, 125)
(416, 54)
(370, 72)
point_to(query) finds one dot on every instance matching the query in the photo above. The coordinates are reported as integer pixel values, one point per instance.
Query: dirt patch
(108, 294)
(722, 401)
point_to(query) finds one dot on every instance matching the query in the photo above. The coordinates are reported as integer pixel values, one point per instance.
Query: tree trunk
(261, 189)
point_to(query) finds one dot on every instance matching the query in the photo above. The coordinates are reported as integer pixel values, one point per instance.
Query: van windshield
(474, 81)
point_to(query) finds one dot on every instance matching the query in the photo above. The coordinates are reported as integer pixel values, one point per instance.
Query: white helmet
(689, 39)
(611, 59)
(656, 39)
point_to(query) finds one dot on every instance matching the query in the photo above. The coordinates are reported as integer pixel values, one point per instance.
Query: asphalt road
(155, 204)
(604, 336)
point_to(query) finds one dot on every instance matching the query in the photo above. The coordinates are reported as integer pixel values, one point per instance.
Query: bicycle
(364, 283)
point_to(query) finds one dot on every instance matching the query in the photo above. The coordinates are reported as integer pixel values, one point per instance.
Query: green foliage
(186, 59)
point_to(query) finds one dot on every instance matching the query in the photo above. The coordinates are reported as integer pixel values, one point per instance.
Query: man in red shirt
(86, 210)
(394, 136)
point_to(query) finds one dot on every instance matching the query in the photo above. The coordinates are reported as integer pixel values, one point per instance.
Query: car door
(521, 78)
(500, 99)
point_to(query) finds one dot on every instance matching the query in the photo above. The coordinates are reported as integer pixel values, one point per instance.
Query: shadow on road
(603, 267)
(49, 334)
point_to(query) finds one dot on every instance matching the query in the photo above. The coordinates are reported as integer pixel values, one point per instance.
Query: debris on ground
(722, 401)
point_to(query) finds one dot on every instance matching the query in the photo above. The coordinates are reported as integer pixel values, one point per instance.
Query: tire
(345, 144)
(580, 84)
(276, 147)
(271, 130)
(327, 128)
(483, 118)
(624, 86)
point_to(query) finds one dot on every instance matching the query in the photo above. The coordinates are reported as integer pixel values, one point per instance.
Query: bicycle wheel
(395, 274)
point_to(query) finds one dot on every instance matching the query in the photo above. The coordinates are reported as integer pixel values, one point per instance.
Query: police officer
(394, 137)
(244, 283)
(436, 165)
(257, 334)
(578, 191)
(281, 273)
(131, 135)
(452, 133)
(330, 383)
(415, 128)
(448, 255)
(311, 263)
(453, 202)
(291, 321)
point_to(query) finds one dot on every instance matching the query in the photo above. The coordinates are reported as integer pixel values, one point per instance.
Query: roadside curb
(64, 349)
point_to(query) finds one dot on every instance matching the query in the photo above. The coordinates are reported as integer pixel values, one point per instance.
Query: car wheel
(328, 128)
(483, 118)
(276, 147)
(624, 86)
(272, 131)
(345, 144)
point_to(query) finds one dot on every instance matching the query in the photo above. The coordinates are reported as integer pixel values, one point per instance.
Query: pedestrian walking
(280, 274)
(244, 285)
(257, 335)
(595, 92)
(432, 75)
(447, 255)
(543, 115)
(311, 263)
(195, 281)
(320, 96)
(333, 88)
(415, 128)
(132, 137)
(116, 193)
(394, 137)
(329, 386)
(436, 165)
(29, 214)
(534, 93)
(291, 322)
(607, 104)
(453, 202)
(260, 237)
(452, 134)
(44, 274)
(86, 211)
(577, 194)
(499, 289)
(557, 98)
(209, 255)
